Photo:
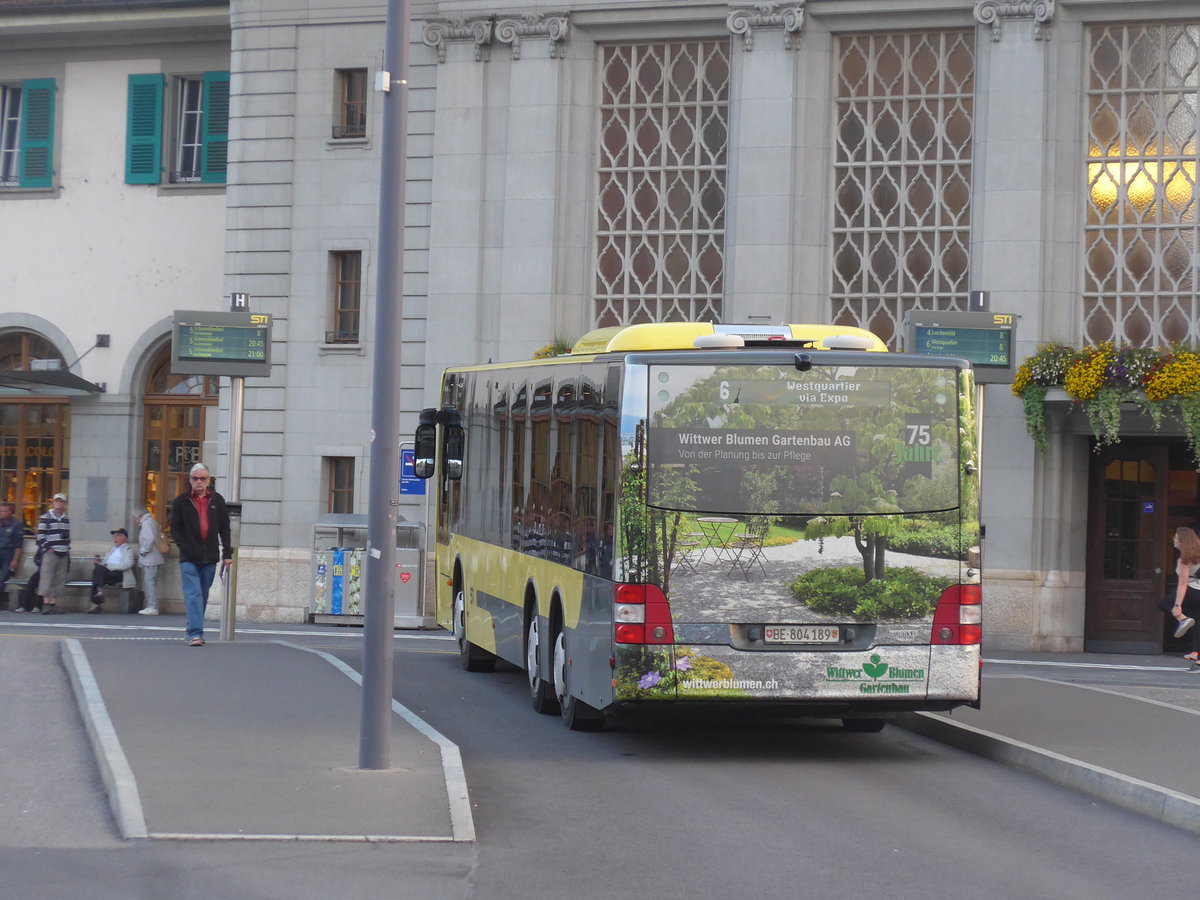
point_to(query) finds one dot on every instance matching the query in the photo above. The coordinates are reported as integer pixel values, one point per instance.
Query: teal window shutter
(216, 127)
(143, 129)
(37, 132)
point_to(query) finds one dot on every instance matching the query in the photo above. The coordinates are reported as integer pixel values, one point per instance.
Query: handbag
(162, 544)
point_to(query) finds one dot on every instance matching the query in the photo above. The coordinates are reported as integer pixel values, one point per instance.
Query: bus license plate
(801, 634)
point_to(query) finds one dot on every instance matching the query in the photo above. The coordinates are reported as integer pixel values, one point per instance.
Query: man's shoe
(148, 611)
(1184, 627)
(95, 609)
(20, 609)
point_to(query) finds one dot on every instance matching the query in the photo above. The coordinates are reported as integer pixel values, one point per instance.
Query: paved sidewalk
(255, 741)
(1117, 742)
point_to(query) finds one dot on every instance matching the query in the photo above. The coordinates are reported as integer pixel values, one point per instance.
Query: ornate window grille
(1140, 267)
(660, 229)
(902, 170)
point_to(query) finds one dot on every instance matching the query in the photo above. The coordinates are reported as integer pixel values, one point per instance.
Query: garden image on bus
(758, 517)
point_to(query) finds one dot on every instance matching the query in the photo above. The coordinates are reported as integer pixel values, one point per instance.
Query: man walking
(12, 539)
(200, 529)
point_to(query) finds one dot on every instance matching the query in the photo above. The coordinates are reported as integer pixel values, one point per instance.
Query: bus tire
(863, 726)
(541, 692)
(576, 715)
(473, 659)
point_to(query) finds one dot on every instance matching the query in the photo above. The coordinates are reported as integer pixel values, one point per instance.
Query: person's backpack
(163, 544)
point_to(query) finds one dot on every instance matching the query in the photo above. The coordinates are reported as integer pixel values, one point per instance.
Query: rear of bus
(798, 529)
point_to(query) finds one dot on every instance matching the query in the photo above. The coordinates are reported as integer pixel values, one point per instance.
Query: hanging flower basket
(1102, 377)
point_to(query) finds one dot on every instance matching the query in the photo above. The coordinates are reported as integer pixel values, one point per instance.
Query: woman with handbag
(1185, 604)
(152, 544)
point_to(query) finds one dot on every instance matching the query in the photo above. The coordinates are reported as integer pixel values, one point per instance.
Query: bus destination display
(236, 344)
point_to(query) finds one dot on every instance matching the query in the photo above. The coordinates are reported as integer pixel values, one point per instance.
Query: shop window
(176, 409)
(34, 432)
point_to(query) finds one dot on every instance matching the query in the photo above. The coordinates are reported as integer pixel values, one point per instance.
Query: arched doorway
(176, 407)
(35, 430)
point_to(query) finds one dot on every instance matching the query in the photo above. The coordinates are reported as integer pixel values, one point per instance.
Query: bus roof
(683, 335)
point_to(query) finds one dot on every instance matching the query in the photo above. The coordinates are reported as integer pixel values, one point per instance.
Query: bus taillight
(641, 615)
(959, 616)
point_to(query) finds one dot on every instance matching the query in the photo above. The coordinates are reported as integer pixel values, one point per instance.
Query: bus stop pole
(383, 496)
(233, 498)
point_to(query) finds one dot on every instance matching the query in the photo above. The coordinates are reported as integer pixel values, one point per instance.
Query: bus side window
(452, 452)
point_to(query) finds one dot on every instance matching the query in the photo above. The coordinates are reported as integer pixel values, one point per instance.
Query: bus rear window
(861, 440)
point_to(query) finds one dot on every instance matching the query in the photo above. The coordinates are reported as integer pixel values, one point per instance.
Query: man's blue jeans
(197, 578)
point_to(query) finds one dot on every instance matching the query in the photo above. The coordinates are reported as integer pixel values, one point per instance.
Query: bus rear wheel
(541, 693)
(474, 659)
(576, 715)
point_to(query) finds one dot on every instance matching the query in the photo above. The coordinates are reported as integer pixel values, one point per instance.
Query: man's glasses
(199, 478)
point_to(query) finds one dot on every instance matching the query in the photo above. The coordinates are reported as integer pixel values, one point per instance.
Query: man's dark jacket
(185, 529)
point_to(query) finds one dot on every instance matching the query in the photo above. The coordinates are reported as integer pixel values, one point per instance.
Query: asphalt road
(684, 809)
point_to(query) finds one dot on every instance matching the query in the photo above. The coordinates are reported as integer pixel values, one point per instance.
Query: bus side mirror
(452, 452)
(425, 452)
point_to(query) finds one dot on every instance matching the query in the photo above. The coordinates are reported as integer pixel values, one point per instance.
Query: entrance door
(1126, 533)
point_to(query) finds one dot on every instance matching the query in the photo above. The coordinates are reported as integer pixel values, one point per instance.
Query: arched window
(35, 431)
(175, 411)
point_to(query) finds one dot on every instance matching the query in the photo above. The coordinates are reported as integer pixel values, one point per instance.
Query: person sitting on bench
(117, 568)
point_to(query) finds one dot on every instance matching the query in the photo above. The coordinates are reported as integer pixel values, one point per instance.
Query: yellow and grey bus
(771, 517)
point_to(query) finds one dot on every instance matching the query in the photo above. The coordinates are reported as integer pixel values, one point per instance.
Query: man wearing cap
(116, 568)
(54, 544)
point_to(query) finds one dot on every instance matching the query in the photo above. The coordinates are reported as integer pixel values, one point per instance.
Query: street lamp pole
(383, 498)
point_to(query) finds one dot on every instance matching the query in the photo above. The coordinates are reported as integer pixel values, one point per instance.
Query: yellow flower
(1087, 373)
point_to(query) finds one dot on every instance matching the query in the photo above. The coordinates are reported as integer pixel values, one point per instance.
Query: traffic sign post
(236, 344)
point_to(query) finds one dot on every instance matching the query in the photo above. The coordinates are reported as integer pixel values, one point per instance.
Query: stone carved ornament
(993, 12)
(484, 31)
(743, 21)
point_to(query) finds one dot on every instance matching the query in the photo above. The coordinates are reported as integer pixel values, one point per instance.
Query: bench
(79, 575)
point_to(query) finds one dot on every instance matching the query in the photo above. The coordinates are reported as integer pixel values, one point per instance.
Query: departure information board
(219, 343)
(984, 339)
(980, 346)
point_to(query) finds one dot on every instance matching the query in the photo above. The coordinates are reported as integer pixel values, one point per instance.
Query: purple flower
(649, 680)
(683, 664)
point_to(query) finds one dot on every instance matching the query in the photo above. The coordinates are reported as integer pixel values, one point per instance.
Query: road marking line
(94, 626)
(1110, 691)
(462, 824)
(115, 771)
(1080, 665)
(344, 838)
